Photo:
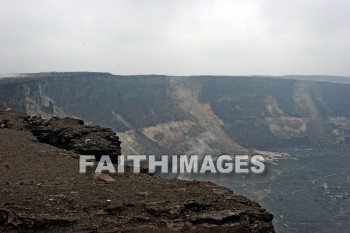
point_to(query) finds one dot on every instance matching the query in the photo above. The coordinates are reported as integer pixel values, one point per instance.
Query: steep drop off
(205, 114)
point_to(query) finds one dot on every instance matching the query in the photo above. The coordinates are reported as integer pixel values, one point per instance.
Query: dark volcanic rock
(13, 220)
(67, 133)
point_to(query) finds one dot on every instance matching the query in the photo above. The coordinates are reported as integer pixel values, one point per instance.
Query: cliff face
(160, 114)
(268, 112)
(42, 189)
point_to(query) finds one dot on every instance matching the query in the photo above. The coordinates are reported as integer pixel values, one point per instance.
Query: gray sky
(182, 37)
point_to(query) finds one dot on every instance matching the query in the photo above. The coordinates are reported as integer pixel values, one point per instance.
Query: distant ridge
(317, 78)
(320, 78)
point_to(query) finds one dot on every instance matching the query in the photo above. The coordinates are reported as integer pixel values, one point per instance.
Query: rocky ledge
(66, 133)
(43, 190)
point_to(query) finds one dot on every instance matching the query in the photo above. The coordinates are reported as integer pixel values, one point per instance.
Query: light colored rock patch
(339, 121)
(270, 156)
(287, 127)
(34, 105)
(272, 106)
(166, 134)
(129, 145)
(186, 97)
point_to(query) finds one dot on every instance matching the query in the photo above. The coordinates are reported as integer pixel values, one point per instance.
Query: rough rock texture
(67, 133)
(42, 190)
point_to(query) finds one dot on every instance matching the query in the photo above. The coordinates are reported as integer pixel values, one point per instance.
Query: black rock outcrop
(66, 133)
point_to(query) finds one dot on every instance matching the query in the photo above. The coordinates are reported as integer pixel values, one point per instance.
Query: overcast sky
(176, 37)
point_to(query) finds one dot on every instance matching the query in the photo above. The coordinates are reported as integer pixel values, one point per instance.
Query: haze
(182, 37)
